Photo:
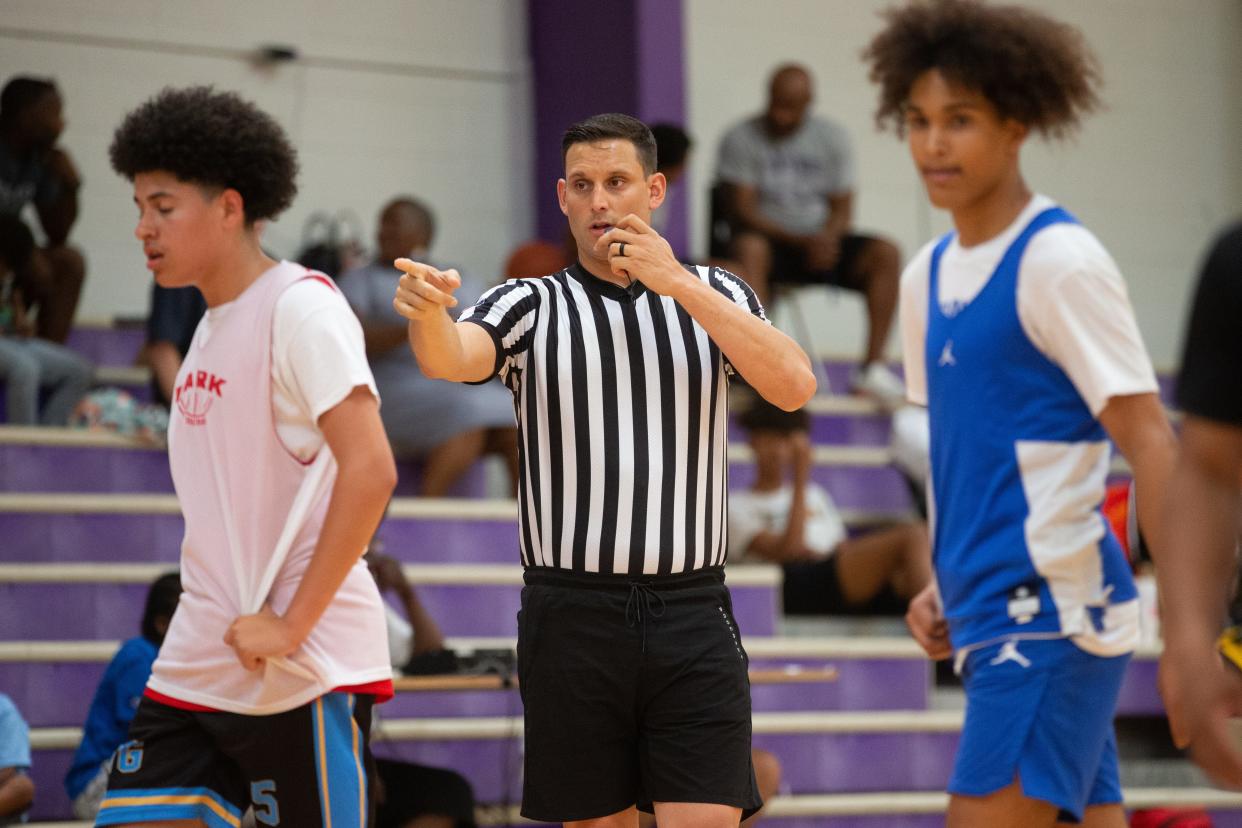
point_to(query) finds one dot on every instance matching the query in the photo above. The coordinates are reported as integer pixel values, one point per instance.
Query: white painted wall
(1153, 176)
(430, 97)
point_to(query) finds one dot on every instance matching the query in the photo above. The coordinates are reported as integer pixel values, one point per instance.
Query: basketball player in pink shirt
(261, 695)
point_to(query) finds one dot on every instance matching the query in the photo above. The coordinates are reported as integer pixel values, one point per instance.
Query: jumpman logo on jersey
(947, 359)
(1009, 652)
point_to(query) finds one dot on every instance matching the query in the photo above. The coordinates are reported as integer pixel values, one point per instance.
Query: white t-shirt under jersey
(1072, 303)
(752, 512)
(318, 358)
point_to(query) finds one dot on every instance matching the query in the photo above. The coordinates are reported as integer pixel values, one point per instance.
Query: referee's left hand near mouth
(424, 291)
(646, 256)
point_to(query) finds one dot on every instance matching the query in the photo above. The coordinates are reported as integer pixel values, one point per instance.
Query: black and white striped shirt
(622, 408)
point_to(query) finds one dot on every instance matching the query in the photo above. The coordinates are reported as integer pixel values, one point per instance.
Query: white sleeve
(912, 319)
(825, 528)
(318, 355)
(745, 522)
(1074, 306)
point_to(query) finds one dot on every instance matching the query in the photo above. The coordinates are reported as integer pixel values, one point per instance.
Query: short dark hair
(672, 144)
(421, 212)
(761, 415)
(614, 125)
(162, 600)
(21, 93)
(1032, 68)
(213, 139)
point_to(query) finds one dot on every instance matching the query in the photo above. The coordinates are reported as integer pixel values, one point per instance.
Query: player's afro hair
(1034, 69)
(213, 139)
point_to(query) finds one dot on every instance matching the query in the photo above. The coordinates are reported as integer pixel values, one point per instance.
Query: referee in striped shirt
(632, 673)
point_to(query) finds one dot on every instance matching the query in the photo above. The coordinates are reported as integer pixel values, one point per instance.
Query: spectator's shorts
(310, 766)
(412, 790)
(636, 691)
(789, 265)
(1041, 710)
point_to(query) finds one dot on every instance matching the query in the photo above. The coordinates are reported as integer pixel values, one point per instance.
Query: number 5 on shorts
(263, 795)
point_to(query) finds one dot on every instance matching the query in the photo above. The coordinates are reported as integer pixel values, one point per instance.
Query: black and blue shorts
(306, 767)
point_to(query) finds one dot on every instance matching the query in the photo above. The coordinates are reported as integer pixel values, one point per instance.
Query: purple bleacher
(47, 611)
(1139, 694)
(48, 769)
(108, 346)
(56, 694)
(861, 684)
(51, 694)
(49, 537)
(33, 467)
(877, 488)
(859, 762)
(28, 467)
(835, 429)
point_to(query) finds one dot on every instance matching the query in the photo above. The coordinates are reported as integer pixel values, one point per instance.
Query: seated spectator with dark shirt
(17, 790)
(174, 316)
(33, 170)
(29, 366)
(116, 699)
(787, 518)
(447, 425)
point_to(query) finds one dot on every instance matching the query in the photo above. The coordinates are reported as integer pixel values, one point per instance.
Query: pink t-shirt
(238, 484)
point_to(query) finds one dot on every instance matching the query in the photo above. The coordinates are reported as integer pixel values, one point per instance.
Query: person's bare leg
(1101, 816)
(1008, 807)
(59, 302)
(696, 815)
(449, 461)
(754, 259)
(430, 821)
(621, 819)
(899, 557)
(767, 777)
(878, 267)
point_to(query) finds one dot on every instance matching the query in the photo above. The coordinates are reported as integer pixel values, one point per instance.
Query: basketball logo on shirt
(196, 394)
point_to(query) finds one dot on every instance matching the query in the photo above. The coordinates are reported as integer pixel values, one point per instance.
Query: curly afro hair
(1033, 69)
(213, 139)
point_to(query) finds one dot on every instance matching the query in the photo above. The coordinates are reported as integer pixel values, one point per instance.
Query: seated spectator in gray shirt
(789, 180)
(447, 425)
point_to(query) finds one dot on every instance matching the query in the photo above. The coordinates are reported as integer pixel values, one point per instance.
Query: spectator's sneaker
(876, 381)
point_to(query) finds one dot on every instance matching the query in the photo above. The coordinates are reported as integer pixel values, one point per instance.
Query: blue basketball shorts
(1041, 710)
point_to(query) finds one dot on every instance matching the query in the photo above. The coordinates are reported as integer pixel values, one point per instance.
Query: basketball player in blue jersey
(1019, 338)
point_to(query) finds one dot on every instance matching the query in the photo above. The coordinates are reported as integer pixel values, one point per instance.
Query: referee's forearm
(437, 347)
(774, 365)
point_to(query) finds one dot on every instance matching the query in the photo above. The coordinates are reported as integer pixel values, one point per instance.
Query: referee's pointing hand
(424, 291)
(636, 251)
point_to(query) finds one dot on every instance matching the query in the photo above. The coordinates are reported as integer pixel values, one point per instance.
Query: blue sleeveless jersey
(1018, 468)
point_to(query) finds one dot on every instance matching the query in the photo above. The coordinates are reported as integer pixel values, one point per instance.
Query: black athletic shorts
(814, 588)
(635, 690)
(307, 767)
(789, 265)
(412, 790)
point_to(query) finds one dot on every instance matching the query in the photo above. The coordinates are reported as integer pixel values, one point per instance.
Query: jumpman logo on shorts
(946, 356)
(1009, 652)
